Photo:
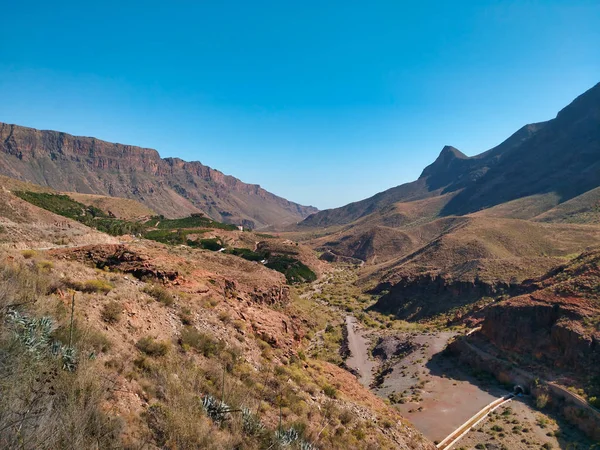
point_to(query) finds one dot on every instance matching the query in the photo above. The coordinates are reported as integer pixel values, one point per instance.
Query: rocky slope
(168, 329)
(168, 186)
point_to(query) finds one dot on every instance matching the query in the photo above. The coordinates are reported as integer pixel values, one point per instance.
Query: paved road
(461, 431)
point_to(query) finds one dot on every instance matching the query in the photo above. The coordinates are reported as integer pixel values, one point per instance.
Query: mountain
(475, 227)
(558, 159)
(169, 186)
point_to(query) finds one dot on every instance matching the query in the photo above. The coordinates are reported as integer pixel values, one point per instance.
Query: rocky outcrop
(169, 186)
(121, 258)
(426, 295)
(551, 332)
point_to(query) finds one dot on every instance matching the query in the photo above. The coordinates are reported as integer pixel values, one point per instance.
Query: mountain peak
(444, 161)
(452, 152)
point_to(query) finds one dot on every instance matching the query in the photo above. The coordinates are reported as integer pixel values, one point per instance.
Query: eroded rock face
(169, 186)
(550, 331)
(559, 322)
(119, 257)
(425, 295)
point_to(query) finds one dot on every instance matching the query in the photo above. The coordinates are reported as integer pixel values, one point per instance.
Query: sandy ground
(359, 352)
(432, 391)
(517, 425)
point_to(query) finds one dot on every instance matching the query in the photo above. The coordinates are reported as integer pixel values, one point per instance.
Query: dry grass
(152, 347)
(160, 294)
(111, 312)
(43, 406)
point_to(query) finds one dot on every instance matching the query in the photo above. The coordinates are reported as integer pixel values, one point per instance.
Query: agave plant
(286, 438)
(251, 424)
(36, 335)
(217, 410)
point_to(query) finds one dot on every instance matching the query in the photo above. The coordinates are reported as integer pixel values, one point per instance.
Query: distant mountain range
(556, 161)
(169, 186)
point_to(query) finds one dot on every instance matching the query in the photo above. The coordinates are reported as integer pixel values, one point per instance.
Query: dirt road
(359, 352)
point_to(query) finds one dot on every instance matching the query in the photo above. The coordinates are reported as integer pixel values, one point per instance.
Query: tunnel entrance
(518, 389)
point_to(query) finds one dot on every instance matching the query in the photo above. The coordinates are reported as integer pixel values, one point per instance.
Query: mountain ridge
(170, 186)
(524, 164)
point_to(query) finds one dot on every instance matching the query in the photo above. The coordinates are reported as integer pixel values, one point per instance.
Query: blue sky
(322, 102)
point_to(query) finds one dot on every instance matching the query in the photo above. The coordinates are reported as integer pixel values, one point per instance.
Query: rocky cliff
(170, 186)
(558, 323)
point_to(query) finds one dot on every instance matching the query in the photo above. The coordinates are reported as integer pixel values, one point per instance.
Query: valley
(156, 303)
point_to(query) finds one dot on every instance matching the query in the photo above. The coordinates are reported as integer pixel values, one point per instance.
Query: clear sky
(322, 102)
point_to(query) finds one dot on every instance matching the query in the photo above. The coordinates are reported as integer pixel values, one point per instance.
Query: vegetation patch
(201, 342)
(152, 347)
(91, 216)
(111, 312)
(247, 254)
(193, 221)
(160, 294)
(294, 270)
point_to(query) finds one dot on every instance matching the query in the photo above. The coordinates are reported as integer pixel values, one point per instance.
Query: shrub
(346, 417)
(45, 265)
(151, 347)
(28, 254)
(542, 400)
(93, 286)
(330, 391)
(224, 316)
(185, 315)
(594, 401)
(111, 313)
(160, 294)
(202, 342)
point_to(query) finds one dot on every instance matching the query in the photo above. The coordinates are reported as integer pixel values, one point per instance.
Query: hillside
(169, 186)
(172, 346)
(550, 163)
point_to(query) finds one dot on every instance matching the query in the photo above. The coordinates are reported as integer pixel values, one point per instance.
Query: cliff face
(170, 186)
(558, 324)
(426, 295)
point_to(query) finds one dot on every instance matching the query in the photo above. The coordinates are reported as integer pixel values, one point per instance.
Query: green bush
(247, 254)
(213, 244)
(330, 391)
(294, 270)
(28, 254)
(151, 347)
(45, 265)
(542, 400)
